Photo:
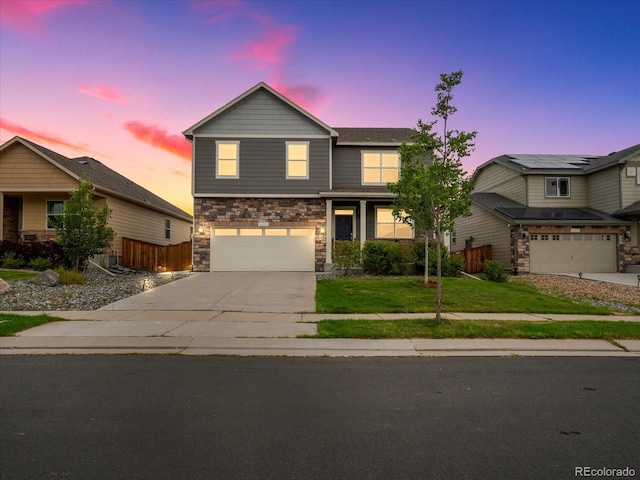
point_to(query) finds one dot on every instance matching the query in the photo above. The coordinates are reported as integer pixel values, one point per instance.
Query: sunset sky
(120, 80)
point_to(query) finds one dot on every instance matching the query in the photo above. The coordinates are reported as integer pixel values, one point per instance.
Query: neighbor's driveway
(285, 292)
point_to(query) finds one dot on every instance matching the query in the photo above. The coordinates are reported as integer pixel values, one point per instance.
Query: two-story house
(274, 186)
(557, 213)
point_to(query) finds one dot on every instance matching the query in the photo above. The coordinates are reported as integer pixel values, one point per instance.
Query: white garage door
(573, 253)
(263, 249)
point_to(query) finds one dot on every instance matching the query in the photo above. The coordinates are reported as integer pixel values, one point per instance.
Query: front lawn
(377, 329)
(13, 275)
(406, 295)
(11, 323)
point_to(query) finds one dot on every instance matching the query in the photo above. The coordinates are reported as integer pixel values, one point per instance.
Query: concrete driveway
(282, 292)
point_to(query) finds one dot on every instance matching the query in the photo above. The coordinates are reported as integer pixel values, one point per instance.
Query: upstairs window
(55, 210)
(167, 228)
(388, 226)
(380, 168)
(227, 159)
(297, 160)
(557, 187)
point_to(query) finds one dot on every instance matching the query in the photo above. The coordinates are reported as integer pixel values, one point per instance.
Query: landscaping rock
(47, 278)
(4, 287)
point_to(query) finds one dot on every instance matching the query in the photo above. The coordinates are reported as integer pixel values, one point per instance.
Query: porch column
(329, 232)
(363, 222)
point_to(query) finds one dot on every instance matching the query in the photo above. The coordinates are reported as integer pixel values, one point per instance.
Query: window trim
(306, 162)
(395, 223)
(48, 215)
(237, 159)
(380, 153)
(557, 195)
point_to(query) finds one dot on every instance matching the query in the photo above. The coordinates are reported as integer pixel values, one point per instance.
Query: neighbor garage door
(573, 253)
(263, 249)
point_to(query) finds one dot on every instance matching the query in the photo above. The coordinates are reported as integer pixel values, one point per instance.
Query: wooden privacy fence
(473, 258)
(156, 258)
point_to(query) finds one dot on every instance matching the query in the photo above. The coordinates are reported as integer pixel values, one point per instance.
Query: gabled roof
(188, 133)
(373, 136)
(515, 212)
(102, 177)
(613, 158)
(569, 164)
(633, 209)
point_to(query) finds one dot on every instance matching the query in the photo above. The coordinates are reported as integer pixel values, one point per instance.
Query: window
(557, 187)
(54, 212)
(167, 228)
(380, 168)
(387, 226)
(297, 160)
(227, 159)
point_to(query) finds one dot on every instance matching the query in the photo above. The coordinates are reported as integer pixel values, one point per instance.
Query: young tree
(433, 189)
(82, 230)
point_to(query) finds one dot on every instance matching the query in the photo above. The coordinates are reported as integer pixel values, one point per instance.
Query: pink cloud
(158, 138)
(27, 16)
(305, 96)
(103, 92)
(269, 49)
(37, 137)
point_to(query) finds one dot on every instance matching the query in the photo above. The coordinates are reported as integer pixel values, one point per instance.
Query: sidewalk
(271, 334)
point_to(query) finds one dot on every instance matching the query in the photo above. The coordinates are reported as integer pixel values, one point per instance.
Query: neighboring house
(274, 186)
(557, 213)
(35, 182)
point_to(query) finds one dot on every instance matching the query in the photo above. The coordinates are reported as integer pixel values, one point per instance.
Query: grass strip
(14, 275)
(429, 328)
(11, 323)
(407, 295)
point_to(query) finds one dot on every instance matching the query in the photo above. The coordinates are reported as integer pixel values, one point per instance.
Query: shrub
(40, 264)
(70, 277)
(347, 255)
(12, 261)
(30, 250)
(494, 271)
(452, 265)
(381, 258)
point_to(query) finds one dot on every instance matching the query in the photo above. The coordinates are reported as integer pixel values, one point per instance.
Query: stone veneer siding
(248, 212)
(520, 255)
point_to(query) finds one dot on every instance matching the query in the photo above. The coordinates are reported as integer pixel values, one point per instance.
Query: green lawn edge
(430, 328)
(12, 323)
(408, 295)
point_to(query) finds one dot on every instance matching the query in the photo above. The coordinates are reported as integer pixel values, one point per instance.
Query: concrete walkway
(242, 333)
(630, 279)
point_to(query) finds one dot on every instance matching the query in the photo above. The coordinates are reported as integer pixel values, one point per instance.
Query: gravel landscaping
(624, 298)
(101, 289)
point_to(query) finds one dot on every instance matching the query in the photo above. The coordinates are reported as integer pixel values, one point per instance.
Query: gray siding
(261, 114)
(486, 229)
(630, 187)
(262, 167)
(502, 180)
(347, 168)
(604, 189)
(577, 186)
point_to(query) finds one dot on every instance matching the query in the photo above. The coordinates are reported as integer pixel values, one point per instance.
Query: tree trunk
(438, 275)
(426, 259)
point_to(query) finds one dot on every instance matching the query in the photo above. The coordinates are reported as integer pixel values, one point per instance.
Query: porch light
(200, 229)
(320, 230)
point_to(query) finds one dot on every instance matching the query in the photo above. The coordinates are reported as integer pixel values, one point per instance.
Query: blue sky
(120, 80)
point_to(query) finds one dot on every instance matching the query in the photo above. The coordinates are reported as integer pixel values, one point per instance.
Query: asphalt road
(177, 417)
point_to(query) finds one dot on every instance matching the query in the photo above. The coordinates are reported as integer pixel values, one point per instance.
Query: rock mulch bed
(621, 297)
(101, 289)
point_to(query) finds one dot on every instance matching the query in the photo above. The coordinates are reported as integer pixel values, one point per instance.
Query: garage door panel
(570, 253)
(294, 251)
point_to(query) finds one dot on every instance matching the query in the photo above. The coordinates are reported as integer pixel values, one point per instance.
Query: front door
(344, 227)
